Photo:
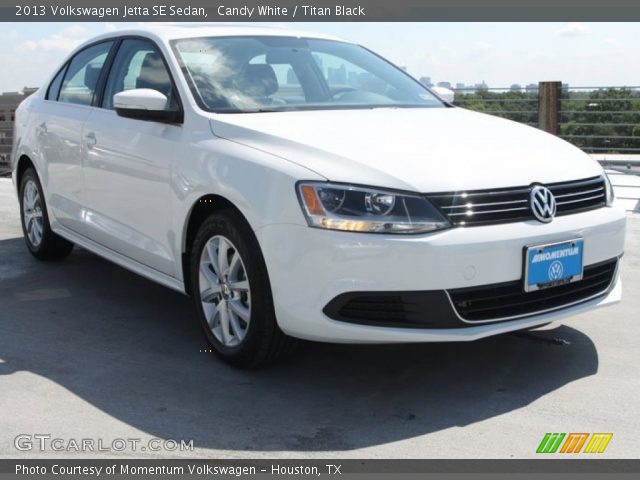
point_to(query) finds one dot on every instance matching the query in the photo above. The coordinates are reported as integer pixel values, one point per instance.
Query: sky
(501, 54)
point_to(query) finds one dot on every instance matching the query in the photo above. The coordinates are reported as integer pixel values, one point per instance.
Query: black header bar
(317, 10)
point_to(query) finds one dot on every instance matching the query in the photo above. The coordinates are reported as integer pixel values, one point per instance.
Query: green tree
(605, 120)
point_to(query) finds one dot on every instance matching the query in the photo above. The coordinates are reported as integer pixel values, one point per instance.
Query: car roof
(165, 33)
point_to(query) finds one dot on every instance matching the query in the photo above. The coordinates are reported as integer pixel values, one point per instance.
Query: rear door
(61, 116)
(128, 163)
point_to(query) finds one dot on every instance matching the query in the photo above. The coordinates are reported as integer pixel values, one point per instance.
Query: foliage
(519, 106)
(605, 120)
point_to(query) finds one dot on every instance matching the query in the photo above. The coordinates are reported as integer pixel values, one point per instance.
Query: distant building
(460, 86)
(532, 88)
(426, 81)
(9, 101)
(481, 86)
(444, 85)
(515, 88)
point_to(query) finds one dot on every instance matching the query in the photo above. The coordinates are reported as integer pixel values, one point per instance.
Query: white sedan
(301, 186)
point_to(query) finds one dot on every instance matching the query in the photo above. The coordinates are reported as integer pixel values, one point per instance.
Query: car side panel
(57, 137)
(261, 186)
(127, 168)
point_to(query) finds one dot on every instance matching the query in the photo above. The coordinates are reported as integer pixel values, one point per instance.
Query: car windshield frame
(430, 99)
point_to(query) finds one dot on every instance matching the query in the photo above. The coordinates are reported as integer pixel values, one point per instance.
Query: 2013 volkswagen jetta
(301, 186)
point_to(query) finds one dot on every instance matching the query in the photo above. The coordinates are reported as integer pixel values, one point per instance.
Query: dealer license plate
(553, 264)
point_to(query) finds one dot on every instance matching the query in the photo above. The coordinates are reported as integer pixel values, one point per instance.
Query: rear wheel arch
(24, 162)
(34, 218)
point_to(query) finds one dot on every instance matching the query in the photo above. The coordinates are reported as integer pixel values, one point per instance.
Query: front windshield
(264, 73)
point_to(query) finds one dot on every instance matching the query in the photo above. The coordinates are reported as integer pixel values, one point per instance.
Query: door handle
(90, 139)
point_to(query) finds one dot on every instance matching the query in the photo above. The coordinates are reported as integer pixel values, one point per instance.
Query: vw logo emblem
(543, 203)
(555, 270)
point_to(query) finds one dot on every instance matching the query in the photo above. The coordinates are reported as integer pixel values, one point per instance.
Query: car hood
(417, 149)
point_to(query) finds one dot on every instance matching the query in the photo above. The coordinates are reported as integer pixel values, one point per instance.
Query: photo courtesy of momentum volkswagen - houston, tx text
(223, 162)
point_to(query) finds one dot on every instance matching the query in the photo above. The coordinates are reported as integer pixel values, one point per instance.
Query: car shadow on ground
(133, 349)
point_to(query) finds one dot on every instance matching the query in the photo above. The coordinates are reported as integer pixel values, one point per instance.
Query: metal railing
(600, 120)
(520, 106)
(603, 120)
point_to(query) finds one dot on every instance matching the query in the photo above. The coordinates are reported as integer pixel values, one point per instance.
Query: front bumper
(309, 268)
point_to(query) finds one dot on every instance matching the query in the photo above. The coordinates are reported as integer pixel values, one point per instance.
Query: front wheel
(40, 239)
(232, 293)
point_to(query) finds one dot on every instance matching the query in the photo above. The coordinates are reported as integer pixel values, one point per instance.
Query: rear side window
(56, 83)
(81, 77)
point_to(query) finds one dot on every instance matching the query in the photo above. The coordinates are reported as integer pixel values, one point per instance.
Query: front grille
(505, 300)
(482, 207)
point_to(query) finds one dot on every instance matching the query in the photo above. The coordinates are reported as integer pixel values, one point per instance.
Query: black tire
(51, 246)
(263, 342)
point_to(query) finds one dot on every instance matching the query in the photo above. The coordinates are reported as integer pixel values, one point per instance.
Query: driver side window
(138, 64)
(288, 88)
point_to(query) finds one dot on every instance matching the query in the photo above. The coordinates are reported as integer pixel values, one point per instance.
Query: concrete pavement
(89, 350)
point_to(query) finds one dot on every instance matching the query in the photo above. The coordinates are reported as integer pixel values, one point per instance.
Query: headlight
(609, 190)
(362, 209)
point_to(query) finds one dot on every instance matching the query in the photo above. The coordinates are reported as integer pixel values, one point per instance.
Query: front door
(128, 164)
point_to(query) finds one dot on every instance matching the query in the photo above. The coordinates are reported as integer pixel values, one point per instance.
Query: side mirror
(144, 104)
(444, 93)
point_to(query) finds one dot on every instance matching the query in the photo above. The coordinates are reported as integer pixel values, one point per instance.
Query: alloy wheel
(225, 294)
(32, 213)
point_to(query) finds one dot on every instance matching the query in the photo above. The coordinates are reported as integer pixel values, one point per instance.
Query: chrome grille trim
(580, 193)
(472, 208)
(506, 191)
(487, 204)
(489, 211)
(578, 200)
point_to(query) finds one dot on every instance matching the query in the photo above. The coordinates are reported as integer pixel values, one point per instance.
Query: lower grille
(383, 308)
(484, 207)
(427, 309)
(505, 300)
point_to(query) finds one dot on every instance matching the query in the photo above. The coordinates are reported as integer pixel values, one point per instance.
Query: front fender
(260, 185)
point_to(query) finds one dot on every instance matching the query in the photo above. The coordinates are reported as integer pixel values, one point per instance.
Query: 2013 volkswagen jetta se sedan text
(302, 186)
